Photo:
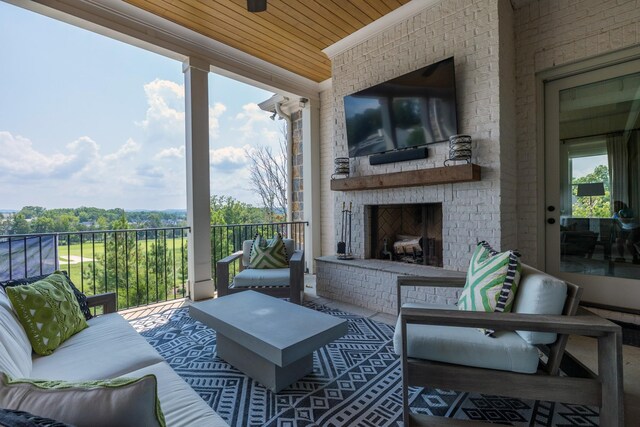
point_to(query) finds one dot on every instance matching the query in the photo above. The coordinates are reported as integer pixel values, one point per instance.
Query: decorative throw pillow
(11, 418)
(48, 311)
(119, 402)
(82, 298)
(268, 254)
(492, 281)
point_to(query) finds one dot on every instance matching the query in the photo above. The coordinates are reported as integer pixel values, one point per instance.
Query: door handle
(551, 208)
(551, 221)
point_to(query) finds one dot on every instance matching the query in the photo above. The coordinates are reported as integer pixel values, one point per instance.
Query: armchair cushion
(505, 351)
(268, 253)
(262, 277)
(539, 293)
(289, 245)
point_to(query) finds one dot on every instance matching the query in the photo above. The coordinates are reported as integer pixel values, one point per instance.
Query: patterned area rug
(356, 382)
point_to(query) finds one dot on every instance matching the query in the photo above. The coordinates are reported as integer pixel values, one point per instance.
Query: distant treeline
(36, 219)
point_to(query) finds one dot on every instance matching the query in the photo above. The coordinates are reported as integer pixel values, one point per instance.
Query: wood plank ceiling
(290, 34)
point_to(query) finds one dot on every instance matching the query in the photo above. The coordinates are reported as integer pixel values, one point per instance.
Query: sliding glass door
(592, 168)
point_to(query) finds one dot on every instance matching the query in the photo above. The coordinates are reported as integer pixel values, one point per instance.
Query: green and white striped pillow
(268, 254)
(492, 281)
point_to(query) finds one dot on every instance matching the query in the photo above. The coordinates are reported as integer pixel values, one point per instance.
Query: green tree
(31, 212)
(227, 210)
(596, 206)
(42, 224)
(102, 223)
(20, 225)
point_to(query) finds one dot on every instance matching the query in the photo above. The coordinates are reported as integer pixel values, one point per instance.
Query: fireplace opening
(409, 233)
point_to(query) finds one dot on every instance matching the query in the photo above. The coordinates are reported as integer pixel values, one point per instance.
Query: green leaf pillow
(268, 254)
(48, 311)
(122, 402)
(492, 281)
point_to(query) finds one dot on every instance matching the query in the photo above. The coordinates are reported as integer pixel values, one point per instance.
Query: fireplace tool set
(344, 245)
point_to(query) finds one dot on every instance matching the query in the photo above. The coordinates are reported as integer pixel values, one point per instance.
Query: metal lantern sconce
(459, 149)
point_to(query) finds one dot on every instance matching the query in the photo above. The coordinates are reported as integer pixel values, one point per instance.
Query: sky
(86, 120)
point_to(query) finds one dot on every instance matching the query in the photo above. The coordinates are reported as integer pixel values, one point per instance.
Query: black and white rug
(356, 382)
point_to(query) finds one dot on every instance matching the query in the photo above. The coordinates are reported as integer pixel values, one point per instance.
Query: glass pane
(599, 178)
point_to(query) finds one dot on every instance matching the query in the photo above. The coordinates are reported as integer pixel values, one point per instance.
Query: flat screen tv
(409, 111)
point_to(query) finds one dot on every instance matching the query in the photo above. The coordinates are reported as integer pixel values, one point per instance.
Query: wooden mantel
(431, 176)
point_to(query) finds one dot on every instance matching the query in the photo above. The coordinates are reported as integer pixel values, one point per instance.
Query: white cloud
(214, 113)
(229, 158)
(20, 158)
(251, 117)
(129, 147)
(165, 112)
(171, 152)
(141, 171)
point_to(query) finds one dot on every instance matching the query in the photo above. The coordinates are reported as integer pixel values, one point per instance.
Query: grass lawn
(74, 257)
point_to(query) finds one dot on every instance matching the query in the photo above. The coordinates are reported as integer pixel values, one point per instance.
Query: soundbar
(399, 156)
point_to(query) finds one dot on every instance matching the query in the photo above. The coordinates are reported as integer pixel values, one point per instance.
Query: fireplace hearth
(408, 233)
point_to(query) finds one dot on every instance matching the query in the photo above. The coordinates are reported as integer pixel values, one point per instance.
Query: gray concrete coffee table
(269, 339)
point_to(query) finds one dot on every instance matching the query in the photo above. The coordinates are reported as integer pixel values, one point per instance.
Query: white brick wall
(469, 31)
(551, 33)
(327, 124)
(372, 283)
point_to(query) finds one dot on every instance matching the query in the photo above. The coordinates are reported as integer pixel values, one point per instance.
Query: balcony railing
(143, 266)
(227, 239)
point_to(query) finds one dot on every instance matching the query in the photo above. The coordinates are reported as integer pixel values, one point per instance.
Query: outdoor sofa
(108, 348)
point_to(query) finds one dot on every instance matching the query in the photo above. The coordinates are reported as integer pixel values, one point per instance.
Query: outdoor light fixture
(256, 5)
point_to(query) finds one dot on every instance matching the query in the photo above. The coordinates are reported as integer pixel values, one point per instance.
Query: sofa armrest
(433, 282)
(107, 301)
(583, 323)
(222, 272)
(296, 275)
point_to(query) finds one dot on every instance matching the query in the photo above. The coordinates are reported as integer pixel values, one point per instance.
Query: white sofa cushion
(15, 348)
(505, 351)
(539, 293)
(262, 277)
(108, 348)
(181, 405)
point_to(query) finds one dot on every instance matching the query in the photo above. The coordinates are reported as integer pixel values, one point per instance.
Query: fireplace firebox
(410, 233)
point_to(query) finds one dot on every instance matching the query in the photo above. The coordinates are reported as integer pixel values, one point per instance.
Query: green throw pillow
(48, 311)
(122, 402)
(268, 254)
(492, 281)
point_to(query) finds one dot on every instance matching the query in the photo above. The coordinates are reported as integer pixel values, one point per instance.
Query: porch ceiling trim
(381, 24)
(127, 23)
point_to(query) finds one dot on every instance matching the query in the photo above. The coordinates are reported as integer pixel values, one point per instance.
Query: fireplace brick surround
(371, 283)
(479, 35)
(471, 211)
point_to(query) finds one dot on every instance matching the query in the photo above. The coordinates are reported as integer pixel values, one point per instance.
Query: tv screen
(409, 111)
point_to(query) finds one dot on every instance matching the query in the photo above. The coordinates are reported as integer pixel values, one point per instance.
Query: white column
(196, 73)
(311, 181)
